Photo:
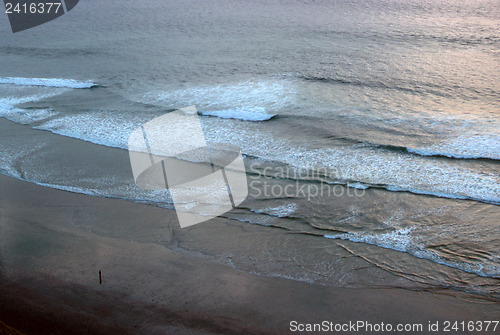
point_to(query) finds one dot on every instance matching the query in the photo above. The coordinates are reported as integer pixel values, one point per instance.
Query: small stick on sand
(100, 279)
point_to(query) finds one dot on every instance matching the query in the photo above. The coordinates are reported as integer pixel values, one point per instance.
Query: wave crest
(245, 114)
(47, 82)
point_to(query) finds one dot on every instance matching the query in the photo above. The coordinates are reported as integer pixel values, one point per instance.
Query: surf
(47, 82)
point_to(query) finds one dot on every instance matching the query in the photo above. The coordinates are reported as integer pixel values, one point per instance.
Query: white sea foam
(20, 116)
(249, 97)
(399, 240)
(99, 128)
(47, 82)
(359, 186)
(466, 147)
(9, 111)
(279, 211)
(246, 114)
(392, 170)
(403, 241)
(7, 103)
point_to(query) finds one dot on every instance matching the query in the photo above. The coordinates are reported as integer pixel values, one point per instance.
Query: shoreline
(56, 280)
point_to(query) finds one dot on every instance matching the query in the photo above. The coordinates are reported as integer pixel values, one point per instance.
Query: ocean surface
(386, 112)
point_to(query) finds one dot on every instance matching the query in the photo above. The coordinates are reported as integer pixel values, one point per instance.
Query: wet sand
(51, 256)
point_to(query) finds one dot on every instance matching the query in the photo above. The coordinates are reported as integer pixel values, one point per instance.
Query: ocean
(381, 117)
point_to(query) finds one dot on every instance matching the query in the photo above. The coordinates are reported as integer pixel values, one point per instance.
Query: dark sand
(50, 282)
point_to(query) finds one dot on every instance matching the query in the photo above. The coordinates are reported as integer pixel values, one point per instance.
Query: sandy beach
(54, 285)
